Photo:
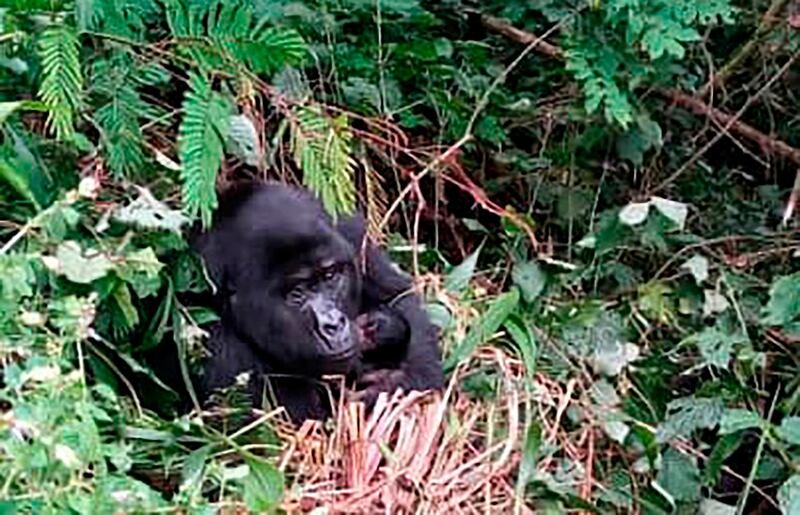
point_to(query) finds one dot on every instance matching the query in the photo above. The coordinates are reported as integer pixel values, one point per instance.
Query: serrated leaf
(263, 486)
(697, 265)
(687, 415)
(634, 213)
(484, 327)
(457, 280)
(675, 211)
(784, 301)
(79, 266)
(789, 430)
(734, 420)
(530, 279)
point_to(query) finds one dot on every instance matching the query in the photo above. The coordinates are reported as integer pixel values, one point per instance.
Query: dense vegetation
(602, 191)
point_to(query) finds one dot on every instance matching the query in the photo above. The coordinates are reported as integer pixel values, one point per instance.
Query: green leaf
(530, 279)
(687, 415)
(201, 138)
(81, 266)
(459, 277)
(723, 449)
(484, 327)
(735, 420)
(712, 507)
(789, 496)
(679, 476)
(147, 212)
(523, 337)
(697, 265)
(675, 211)
(321, 148)
(193, 466)
(634, 213)
(789, 430)
(530, 456)
(784, 301)
(62, 81)
(263, 486)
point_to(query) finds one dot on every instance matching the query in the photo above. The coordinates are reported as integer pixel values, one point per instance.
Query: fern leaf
(201, 138)
(62, 80)
(321, 148)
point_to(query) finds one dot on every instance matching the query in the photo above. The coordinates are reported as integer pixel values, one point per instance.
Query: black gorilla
(298, 300)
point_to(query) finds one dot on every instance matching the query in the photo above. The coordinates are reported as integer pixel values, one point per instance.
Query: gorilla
(300, 296)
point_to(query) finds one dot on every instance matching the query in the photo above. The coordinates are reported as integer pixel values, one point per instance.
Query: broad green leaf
(723, 449)
(789, 430)
(734, 420)
(675, 211)
(81, 266)
(263, 486)
(679, 476)
(697, 265)
(789, 496)
(784, 301)
(484, 327)
(634, 213)
(530, 279)
(458, 278)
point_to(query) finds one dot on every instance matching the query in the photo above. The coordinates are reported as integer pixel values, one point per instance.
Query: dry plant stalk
(414, 453)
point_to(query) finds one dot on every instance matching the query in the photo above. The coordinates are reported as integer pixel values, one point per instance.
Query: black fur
(264, 236)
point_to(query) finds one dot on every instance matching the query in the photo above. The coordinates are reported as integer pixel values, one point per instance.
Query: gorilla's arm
(384, 283)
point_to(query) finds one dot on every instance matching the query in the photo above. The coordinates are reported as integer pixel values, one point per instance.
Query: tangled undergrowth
(599, 200)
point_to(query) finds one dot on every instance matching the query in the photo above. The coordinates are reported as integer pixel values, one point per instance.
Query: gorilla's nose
(332, 325)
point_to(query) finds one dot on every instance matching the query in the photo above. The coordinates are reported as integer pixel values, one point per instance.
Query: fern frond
(205, 124)
(321, 147)
(221, 32)
(62, 82)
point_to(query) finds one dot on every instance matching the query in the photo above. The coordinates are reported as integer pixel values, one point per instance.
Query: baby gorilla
(297, 301)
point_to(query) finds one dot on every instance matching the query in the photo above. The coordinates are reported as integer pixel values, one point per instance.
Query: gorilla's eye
(329, 272)
(296, 296)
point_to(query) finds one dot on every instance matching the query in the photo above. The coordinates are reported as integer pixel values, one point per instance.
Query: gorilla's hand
(372, 384)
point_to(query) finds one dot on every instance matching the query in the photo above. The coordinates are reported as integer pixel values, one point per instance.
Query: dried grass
(414, 453)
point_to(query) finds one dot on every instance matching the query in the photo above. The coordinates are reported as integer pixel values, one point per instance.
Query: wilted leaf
(611, 357)
(634, 213)
(698, 266)
(80, 267)
(675, 211)
(263, 486)
(734, 420)
(530, 279)
(712, 507)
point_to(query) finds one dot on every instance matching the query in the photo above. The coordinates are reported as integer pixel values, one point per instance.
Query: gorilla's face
(291, 281)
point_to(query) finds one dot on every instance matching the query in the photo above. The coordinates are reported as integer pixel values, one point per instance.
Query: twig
(692, 160)
(731, 123)
(768, 21)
